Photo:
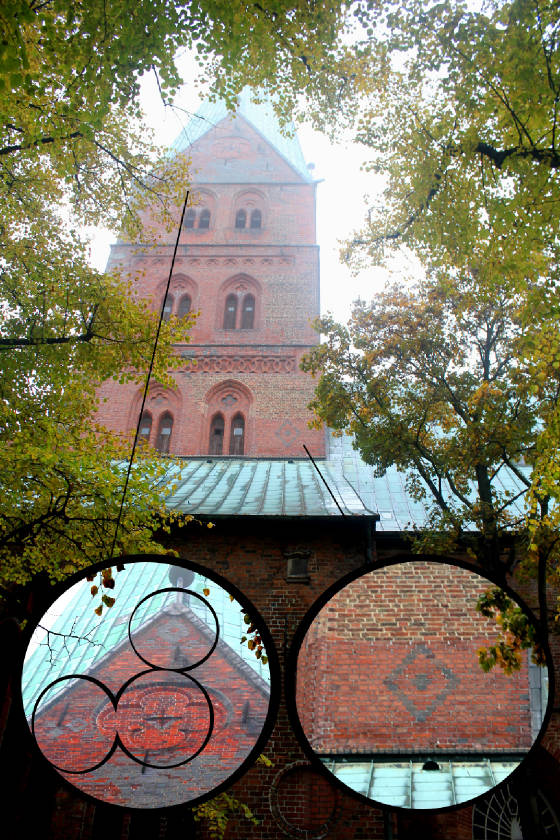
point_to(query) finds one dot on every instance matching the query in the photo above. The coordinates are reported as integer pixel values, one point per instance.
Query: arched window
(145, 427)
(230, 313)
(168, 308)
(204, 220)
(190, 216)
(184, 306)
(240, 219)
(164, 432)
(256, 219)
(248, 313)
(237, 435)
(216, 435)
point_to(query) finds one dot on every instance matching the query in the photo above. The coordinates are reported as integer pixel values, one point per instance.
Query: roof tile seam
(204, 478)
(248, 487)
(197, 465)
(321, 493)
(221, 475)
(265, 488)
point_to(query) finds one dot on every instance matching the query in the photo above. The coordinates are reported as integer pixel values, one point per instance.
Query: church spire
(260, 115)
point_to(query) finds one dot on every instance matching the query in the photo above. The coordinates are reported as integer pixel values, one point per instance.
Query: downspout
(371, 548)
(387, 825)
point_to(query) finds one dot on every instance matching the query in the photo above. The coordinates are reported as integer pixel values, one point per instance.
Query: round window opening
(303, 802)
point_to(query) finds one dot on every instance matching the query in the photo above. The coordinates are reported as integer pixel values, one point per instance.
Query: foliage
(217, 812)
(434, 381)
(458, 108)
(73, 152)
(517, 633)
(460, 112)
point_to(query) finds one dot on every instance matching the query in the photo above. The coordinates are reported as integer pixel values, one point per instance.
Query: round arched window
(165, 428)
(216, 435)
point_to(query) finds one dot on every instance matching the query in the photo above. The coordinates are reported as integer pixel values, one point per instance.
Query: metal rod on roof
(309, 455)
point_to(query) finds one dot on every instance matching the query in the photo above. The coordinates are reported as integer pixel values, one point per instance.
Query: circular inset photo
(149, 687)
(418, 684)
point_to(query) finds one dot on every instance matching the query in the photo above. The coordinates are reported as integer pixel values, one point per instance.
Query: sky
(341, 206)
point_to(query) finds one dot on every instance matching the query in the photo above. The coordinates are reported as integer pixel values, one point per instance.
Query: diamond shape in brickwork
(416, 679)
(287, 433)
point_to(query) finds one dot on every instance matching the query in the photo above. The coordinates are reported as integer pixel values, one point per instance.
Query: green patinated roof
(99, 636)
(405, 784)
(293, 487)
(262, 118)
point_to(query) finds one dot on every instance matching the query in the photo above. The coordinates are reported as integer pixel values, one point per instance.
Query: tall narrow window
(164, 432)
(168, 308)
(230, 313)
(248, 313)
(237, 435)
(216, 435)
(184, 306)
(240, 219)
(256, 219)
(190, 216)
(204, 220)
(145, 427)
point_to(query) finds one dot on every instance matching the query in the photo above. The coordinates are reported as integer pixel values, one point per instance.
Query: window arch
(165, 428)
(237, 435)
(168, 307)
(248, 313)
(239, 306)
(145, 427)
(248, 208)
(204, 220)
(228, 424)
(230, 313)
(190, 217)
(184, 306)
(217, 427)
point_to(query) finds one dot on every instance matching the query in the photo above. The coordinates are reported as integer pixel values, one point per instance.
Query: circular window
(303, 802)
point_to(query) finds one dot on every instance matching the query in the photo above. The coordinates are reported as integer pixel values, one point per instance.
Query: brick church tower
(248, 263)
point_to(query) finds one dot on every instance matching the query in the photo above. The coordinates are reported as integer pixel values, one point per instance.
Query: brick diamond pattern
(417, 682)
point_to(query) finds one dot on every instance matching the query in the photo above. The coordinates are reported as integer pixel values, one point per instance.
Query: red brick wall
(390, 663)
(252, 555)
(278, 264)
(77, 730)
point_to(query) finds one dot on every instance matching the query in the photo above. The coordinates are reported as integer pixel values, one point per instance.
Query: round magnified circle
(150, 736)
(405, 693)
(177, 717)
(180, 668)
(84, 748)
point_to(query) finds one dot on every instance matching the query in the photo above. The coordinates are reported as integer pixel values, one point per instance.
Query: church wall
(409, 635)
(290, 795)
(277, 264)
(77, 730)
(253, 555)
(292, 798)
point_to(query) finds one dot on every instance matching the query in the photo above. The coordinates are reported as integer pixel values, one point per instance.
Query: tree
(73, 152)
(459, 110)
(433, 381)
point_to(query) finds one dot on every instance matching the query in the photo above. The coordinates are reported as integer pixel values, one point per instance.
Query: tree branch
(9, 150)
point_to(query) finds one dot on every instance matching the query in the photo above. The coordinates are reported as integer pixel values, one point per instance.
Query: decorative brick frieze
(241, 364)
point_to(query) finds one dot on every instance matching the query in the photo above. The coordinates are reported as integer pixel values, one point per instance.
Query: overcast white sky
(340, 197)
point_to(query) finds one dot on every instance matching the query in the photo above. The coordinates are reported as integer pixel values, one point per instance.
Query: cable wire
(150, 369)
